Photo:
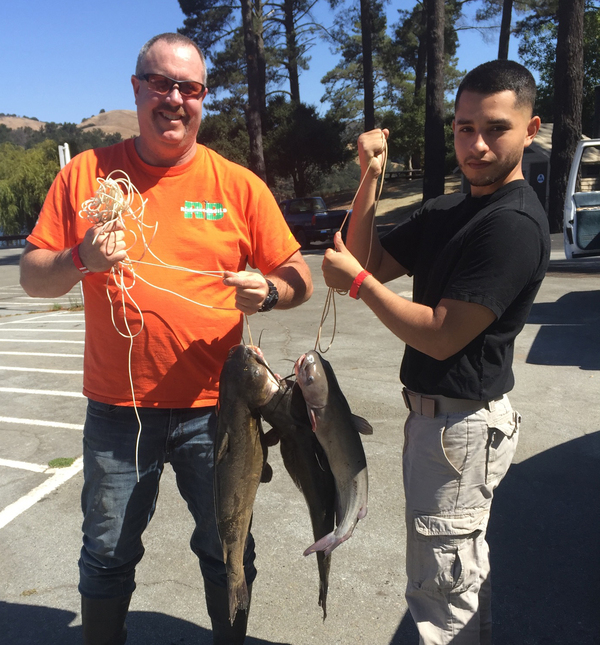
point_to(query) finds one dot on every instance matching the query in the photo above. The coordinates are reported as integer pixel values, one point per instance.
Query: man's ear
(533, 128)
(135, 82)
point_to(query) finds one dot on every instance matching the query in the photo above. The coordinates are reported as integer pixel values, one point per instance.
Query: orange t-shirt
(210, 215)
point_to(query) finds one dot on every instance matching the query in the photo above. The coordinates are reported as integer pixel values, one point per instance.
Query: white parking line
(59, 477)
(39, 369)
(41, 354)
(20, 390)
(39, 340)
(47, 329)
(40, 422)
(23, 465)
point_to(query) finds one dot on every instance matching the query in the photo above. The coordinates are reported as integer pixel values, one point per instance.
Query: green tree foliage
(25, 177)
(537, 49)
(301, 145)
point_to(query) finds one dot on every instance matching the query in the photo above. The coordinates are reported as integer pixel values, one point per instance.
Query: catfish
(307, 464)
(337, 430)
(246, 383)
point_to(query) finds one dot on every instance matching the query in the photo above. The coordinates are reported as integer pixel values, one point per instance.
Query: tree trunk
(293, 51)
(505, 30)
(367, 51)
(568, 97)
(435, 150)
(253, 110)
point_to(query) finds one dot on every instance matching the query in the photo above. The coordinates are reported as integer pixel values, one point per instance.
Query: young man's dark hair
(499, 76)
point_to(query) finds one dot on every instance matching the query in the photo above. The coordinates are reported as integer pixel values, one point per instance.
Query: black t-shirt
(491, 250)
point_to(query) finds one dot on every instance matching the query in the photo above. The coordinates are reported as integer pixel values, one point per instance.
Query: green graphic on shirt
(203, 210)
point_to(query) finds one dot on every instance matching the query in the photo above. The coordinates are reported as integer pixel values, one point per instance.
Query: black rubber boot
(103, 621)
(217, 603)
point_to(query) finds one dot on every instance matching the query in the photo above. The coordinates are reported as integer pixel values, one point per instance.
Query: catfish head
(246, 377)
(311, 375)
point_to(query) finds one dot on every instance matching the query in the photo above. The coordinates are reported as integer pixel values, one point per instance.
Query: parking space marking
(41, 354)
(22, 390)
(59, 477)
(24, 465)
(40, 369)
(40, 340)
(47, 329)
(40, 422)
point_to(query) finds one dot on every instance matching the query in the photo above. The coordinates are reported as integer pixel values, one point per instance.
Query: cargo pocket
(501, 445)
(444, 556)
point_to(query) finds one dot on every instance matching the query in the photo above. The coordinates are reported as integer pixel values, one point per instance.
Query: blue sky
(66, 61)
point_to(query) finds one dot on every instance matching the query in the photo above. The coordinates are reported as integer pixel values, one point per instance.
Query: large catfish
(337, 430)
(246, 383)
(306, 462)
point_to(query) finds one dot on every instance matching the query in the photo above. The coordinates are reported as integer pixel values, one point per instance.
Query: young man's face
(490, 134)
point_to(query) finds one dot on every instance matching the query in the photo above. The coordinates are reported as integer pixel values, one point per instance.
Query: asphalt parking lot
(544, 542)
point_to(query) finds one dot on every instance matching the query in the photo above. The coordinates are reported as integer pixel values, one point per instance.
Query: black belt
(432, 405)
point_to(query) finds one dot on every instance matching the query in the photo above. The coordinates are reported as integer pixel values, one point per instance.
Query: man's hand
(371, 146)
(251, 289)
(340, 267)
(108, 249)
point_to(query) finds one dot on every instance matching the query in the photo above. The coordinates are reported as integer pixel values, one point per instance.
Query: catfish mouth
(305, 369)
(272, 382)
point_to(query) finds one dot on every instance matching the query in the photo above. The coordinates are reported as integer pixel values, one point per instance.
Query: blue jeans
(117, 508)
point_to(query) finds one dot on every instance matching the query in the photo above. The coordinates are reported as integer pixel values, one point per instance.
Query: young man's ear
(532, 129)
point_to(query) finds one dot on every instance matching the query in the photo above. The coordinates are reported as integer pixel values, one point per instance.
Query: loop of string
(330, 298)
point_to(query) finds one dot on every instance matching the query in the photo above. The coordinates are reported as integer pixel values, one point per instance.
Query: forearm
(419, 326)
(362, 239)
(293, 282)
(47, 274)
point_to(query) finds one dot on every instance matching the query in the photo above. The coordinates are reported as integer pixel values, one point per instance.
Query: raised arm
(362, 239)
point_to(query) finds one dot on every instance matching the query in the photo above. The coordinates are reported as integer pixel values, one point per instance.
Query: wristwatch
(271, 299)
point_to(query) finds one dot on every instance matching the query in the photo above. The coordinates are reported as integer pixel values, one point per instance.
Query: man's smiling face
(168, 122)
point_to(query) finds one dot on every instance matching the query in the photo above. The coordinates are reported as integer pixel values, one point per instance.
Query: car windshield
(309, 204)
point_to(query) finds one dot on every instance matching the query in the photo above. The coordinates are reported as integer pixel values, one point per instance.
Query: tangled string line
(117, 199)
(330, 298)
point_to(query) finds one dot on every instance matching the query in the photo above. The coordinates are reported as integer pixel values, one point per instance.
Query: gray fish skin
(240, 459)
(337, 430)
(307, 465)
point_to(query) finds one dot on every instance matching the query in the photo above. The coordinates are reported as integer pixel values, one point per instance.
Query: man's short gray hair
(170, 39)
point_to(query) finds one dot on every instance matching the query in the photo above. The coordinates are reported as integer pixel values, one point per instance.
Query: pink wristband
(77, 261)
(357, 282)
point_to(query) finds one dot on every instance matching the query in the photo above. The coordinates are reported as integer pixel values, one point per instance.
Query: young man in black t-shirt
(477, 261)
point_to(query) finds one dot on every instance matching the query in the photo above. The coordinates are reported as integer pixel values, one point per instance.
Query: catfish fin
(223, 447)
(362, 425)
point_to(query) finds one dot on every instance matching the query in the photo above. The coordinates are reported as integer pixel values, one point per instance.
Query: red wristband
(357, 282)
(77, 261)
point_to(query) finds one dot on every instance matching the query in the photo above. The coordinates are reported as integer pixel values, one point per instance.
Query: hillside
(122, 121)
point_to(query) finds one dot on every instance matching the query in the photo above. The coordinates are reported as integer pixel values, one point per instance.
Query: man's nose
(480, 143)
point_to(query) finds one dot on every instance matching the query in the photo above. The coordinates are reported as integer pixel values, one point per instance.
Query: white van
(582, 203)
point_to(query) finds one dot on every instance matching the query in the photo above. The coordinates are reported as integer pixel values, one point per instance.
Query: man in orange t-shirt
(156, 348)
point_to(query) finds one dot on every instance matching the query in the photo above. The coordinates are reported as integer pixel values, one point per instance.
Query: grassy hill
(121, 121)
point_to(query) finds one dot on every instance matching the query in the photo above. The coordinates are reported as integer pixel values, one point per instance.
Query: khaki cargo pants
(452, 463)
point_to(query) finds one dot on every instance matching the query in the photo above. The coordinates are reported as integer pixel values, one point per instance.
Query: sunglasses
(164, 85)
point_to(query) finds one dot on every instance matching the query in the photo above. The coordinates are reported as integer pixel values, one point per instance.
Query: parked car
(310, 220)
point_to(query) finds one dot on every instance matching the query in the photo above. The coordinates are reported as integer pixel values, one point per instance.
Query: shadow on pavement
(569, 332)
(32, 625)
(545, 550)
